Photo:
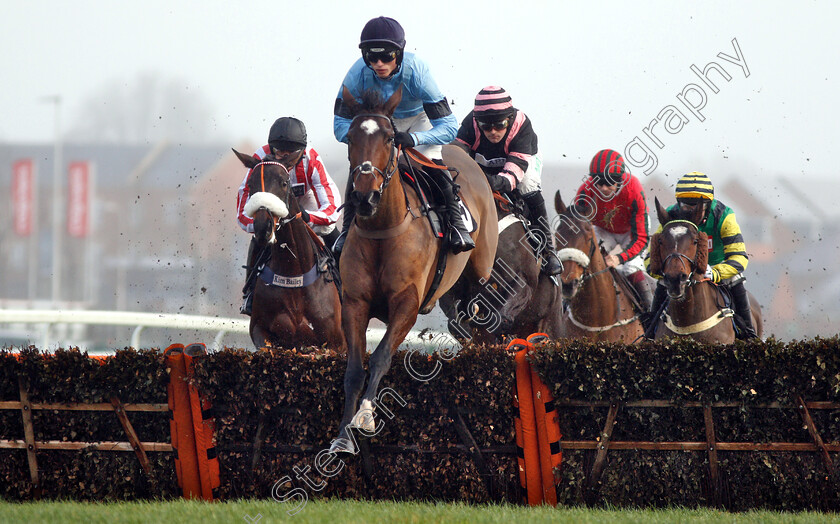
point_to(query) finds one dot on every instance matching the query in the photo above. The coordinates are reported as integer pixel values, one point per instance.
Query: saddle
(429, 193)
(629, 290)
(738, 323)
(517, 211)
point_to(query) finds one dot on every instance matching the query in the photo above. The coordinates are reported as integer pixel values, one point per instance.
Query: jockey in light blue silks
(423, 118)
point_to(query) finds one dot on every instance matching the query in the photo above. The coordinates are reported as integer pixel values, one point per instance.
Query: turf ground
(343, 511)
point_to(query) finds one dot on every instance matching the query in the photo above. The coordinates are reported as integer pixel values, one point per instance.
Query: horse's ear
(701, 259)
(661, 212)
(348, 99)
(393, 102)
(247, 160)
(558, 203)
(655, 254)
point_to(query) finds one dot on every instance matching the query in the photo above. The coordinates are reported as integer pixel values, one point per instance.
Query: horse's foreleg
(354, 322)
(258, 335)
(402, 314)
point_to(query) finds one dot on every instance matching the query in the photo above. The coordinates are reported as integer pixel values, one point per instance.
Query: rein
(423, 160)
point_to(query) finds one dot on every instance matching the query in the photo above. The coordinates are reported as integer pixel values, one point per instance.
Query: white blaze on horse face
(369, 126)
(677, 232)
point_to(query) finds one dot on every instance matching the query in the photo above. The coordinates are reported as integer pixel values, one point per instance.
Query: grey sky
(589, 76)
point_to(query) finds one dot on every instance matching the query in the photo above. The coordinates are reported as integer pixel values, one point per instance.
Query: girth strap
(600, 329)
(709, 323)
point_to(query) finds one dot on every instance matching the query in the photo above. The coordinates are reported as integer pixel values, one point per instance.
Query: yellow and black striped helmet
(695, 185)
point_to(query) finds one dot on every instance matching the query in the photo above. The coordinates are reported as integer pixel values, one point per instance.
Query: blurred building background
(160, 236)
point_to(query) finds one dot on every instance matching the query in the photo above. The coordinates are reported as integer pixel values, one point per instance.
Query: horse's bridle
(366, 167)
(586, 275)
(277, 221)
(692, 264)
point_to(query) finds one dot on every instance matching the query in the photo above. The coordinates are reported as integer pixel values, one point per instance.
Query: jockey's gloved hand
(500, 184)
(304, 215)
(404, 139)
(710, 273)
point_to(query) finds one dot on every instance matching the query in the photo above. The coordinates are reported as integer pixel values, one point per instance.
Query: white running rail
(124, 318)
(49, 317)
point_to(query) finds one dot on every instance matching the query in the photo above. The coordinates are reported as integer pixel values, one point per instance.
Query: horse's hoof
(363, 419)
(343, 446)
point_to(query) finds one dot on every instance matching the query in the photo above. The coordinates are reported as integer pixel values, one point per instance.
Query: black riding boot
(458, 237)
(349, 215)
(250, 283)
(539, 220)
(652, 319)
(645, 300)
(645, 294)
(330, 238)
(741, 304)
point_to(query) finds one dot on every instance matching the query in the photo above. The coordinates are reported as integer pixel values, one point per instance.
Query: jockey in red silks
(319, 199)
(501, 139)
(620, 217)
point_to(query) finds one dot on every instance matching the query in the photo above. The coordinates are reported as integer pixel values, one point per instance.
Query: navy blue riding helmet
(381, 35)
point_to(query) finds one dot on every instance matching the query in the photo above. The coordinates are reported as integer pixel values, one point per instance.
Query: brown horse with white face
(294, 304)
(599, 309)
(696, 307)
(389, 259)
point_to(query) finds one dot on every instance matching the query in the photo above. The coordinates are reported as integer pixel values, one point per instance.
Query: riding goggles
(380, 54)
(285, 156)
(690, 202)
(497, 126)
(607, 179)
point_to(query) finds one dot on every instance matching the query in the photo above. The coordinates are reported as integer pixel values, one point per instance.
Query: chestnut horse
(390, 255)
(294, 304)
(599, 308)
(696, 305)
(518, 299)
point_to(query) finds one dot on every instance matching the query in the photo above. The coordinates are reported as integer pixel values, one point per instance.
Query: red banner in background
(78, 199)
(23, 180)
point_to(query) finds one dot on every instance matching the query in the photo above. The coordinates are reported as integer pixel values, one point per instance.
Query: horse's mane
(677, 214)
(372, 102)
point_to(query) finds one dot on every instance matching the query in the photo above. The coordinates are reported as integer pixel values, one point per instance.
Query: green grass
(350, 511)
